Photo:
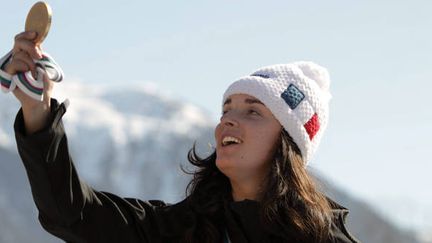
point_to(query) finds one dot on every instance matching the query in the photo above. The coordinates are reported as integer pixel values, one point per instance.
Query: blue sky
(378, 54)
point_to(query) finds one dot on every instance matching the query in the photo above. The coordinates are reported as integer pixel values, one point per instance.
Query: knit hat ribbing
(298, 96)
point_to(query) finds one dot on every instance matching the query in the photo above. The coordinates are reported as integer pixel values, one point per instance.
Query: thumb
(48, 88)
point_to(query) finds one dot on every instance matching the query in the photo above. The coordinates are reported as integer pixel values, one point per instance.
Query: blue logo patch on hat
(292, 96)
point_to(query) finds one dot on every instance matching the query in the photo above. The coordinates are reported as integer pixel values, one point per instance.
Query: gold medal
(39, 20)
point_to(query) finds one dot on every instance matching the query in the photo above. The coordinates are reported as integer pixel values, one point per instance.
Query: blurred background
(145, 80)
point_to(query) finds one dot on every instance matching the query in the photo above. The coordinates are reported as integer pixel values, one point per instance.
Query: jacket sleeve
(68, 207)
(338, 230)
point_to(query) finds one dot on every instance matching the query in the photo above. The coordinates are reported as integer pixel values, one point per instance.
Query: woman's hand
(24, 51)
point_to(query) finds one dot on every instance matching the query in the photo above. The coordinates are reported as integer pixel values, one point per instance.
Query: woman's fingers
(27, 46)
(23, 57)
(24, 52)
(24, 42)
(17, 66)
(29, 35)
(21, 63)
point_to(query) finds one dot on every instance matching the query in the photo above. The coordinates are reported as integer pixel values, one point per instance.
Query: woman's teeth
(230, 140)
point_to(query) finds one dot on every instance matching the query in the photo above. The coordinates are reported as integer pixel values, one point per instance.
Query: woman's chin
(224, 165)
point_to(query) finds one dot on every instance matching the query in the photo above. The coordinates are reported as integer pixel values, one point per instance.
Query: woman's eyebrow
(253, 101)
(247, 101)
(227, 101)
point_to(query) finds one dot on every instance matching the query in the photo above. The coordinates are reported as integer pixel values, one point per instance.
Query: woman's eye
(224, 112)
(253, 112)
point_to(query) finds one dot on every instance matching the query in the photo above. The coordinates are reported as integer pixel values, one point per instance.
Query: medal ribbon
(25, 81)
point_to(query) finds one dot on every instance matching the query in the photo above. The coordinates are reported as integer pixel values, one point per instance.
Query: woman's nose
(229, 119)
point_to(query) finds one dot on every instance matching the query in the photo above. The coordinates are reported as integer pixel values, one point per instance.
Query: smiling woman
(271, 124)
(253, 188)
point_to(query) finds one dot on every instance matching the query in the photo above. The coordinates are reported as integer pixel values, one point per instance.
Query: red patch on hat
(312, 126)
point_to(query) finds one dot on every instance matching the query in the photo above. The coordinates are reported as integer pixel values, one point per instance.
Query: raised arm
(68, 207)
(23, 54)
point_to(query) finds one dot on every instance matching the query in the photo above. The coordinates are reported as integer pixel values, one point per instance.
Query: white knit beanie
(298, 96)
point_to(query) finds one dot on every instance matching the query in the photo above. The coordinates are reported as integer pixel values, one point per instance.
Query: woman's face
(246, 138)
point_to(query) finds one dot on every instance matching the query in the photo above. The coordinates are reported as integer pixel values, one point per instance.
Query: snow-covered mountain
(119, 134)
(131, 141)
(116, 136)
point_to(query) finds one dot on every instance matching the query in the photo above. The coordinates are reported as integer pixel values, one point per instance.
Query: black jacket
(75, 212)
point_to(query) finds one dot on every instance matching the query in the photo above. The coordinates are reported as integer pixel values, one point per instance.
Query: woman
(253, 188)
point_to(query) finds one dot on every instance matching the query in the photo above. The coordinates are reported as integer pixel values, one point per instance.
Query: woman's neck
(242, 191)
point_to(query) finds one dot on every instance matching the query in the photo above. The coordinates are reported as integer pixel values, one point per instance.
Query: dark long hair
(291, 206)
